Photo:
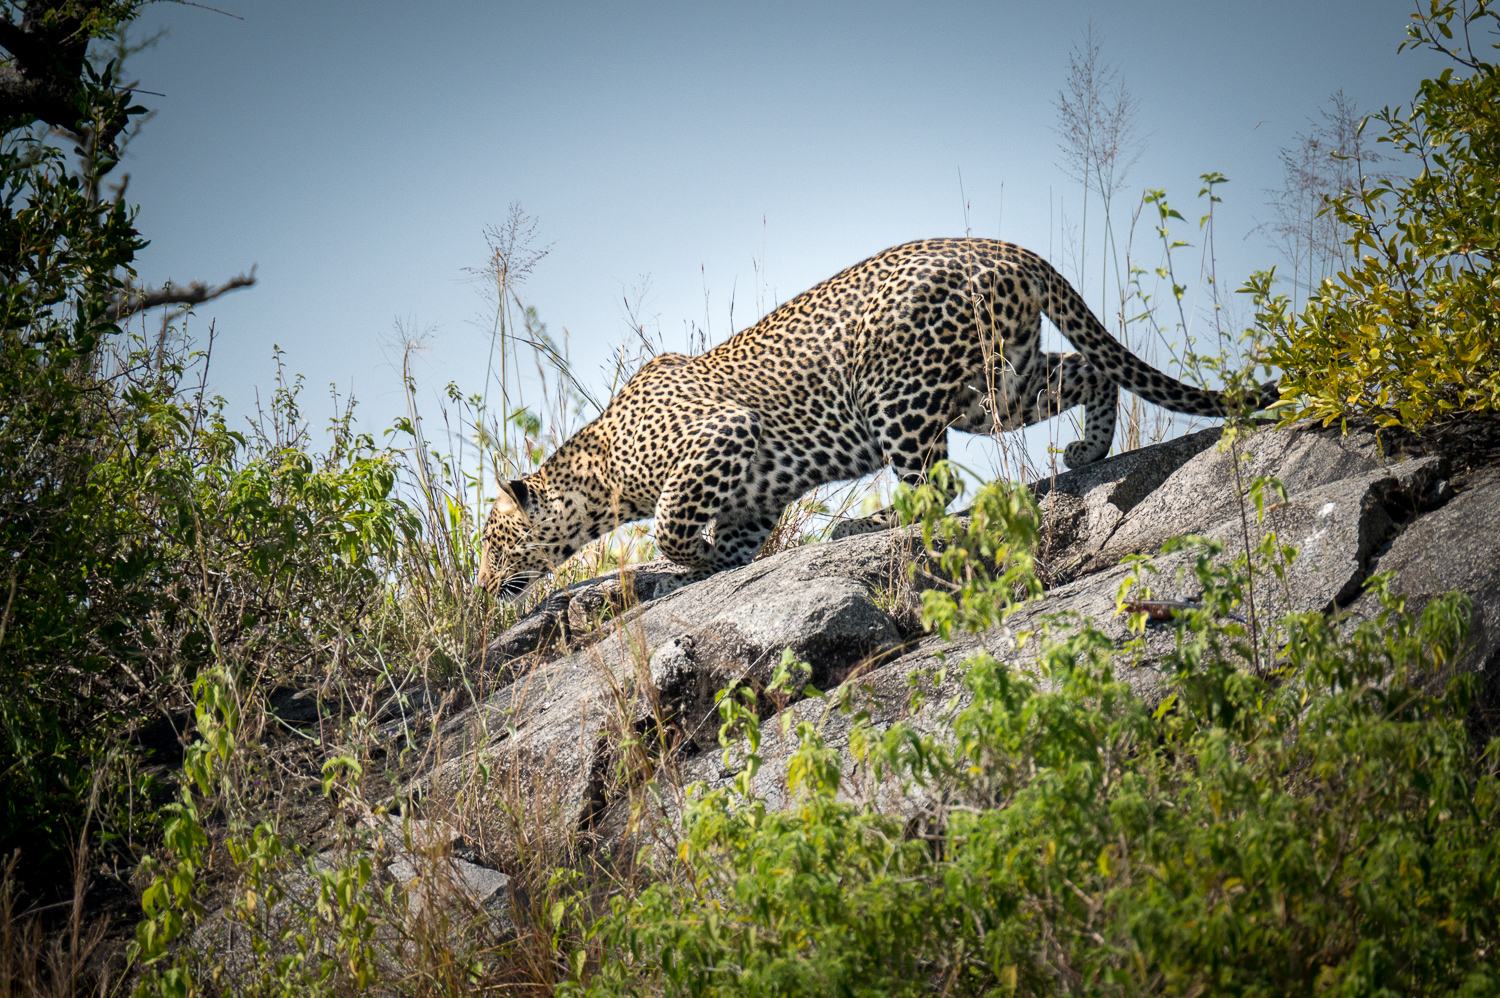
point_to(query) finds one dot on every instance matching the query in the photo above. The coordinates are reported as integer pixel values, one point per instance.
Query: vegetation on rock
(1324, 825)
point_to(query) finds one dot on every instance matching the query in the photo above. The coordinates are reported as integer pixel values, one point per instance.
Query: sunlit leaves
(1411, 332)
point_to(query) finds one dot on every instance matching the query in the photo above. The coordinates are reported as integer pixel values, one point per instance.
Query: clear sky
(356, 152)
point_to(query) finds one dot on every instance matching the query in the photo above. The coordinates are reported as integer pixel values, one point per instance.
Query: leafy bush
(72, 565)
(1411, 332)
(143, 539)
(1322, 826)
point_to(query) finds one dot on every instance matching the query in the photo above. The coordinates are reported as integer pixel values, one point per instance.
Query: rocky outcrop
(1455, 546)
(612, 682)
(1349, 517)
(1084, 508)
(422, 871)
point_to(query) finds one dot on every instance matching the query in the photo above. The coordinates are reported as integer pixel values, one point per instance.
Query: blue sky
(355, 153)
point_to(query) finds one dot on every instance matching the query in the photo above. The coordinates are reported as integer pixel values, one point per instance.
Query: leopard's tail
(1071, 314)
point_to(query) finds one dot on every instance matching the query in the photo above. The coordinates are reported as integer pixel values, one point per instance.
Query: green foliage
(983, 557)
(143, 540)
(325, 938)
(1409, 334)
(68, 555)
(1320, 826)
(171, 903)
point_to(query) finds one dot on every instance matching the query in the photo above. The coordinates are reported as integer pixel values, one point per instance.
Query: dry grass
(48, 956)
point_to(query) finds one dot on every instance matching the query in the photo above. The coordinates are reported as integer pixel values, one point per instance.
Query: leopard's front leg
(912, 445)
(712, 466)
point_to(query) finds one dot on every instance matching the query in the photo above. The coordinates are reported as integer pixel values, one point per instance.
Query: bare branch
(132, 302)
(1328, 160)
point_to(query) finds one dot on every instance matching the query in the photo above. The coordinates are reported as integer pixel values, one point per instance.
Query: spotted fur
(872, 366)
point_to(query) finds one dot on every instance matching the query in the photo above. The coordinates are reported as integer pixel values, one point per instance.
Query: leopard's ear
(517, 488)
(512, 497)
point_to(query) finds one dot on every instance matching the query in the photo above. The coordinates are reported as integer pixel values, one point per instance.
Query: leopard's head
(529, 532)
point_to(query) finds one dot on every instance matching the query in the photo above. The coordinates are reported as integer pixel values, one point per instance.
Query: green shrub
(142, 539)
(1411, 332)
(70, 563)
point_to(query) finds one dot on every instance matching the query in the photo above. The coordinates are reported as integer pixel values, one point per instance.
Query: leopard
(871, 367)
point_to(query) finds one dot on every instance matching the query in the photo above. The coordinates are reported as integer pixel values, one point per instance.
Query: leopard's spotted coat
(873, 365)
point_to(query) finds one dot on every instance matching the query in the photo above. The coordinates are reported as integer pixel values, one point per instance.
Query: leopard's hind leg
(1055, 384)
(739, 535)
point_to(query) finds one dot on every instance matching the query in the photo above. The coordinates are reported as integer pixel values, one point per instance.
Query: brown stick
(132, 302)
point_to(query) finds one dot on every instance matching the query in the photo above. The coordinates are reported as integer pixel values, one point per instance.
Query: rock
(1455, 547)
(532, 766)
(613, 681)
(302, 707)
(831, 624)
(884, 694)
(1205, 490)
(407, 704)
(564, 619)
(1081, 508)
(425, 861)
(310, 706)
(1339, 527)
(162, 740)
(1130, 476)
(1336, 528)
(468, 902)
(533, 635)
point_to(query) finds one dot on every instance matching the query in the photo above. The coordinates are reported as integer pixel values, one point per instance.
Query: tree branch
(42, 77)
(131, 302)
(45, 74)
